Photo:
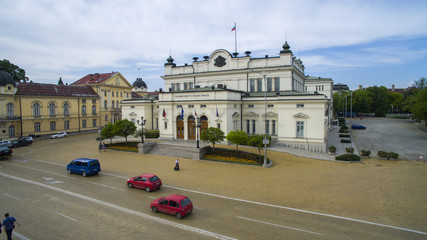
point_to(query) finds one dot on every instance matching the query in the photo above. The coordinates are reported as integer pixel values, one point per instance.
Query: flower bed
(122, 146)
(228, 155)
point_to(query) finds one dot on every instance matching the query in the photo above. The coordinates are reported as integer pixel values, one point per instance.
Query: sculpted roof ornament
(220, 61)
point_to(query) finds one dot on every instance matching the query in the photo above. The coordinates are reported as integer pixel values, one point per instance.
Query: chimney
(360, 87)
(392, 88)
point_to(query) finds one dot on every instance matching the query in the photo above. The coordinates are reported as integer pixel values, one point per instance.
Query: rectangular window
(268, 127)
(270, 105)
(248, 126)
(190, 85)
(93, 100)
(37, 127)
(218, 125)
(190, 106)
(106, 118)
(250, 106)
(178, 86)
(166, 125)
(269, 84)
(202, 105)
(273, 127)
(300, 129)
(83, 100)
(84, 125)
(178, 106)
(252, 85)
(105, 93)
(53, 126)
(94, 122)
(259, 84)
(185, 86)
(66, 125)
(277, 84)
(253, 126)
(300, 105)
(173, 86)
(132, 106)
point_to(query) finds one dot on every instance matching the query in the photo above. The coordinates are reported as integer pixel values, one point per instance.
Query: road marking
(265, 204)
(105, 186)
(198, 208)
(11, 196)
(277, 225)
(151, 197)
(20, 236)
(110, 205)
(75, 220)
(41, 171)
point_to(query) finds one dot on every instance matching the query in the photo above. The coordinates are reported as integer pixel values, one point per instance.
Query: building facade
(256, 95)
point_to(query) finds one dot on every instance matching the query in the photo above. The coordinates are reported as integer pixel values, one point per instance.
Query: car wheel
(84, 174)
(130, 185)
(154, 209)
(147, 189)
(178, 215)
(69, 171)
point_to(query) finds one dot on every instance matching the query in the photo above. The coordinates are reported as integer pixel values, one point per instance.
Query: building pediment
(300, 115)
(236, 115)
(250, 114)
(132, 114)
(271, 115)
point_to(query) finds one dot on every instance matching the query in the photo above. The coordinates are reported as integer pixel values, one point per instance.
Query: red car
(146, 181)
(177, 205)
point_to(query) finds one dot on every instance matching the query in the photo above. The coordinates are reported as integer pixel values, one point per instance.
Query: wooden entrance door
(191, 125)
(179, 127)
(204, 125)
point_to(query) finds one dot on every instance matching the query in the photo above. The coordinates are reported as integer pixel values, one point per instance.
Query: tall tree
(124, 128)
(395, 99)
(212, 135)
(419, 109)
(361, 101)
(380, 102)
(238, 138)
(108, 132)
(420, 84)
(17, 73)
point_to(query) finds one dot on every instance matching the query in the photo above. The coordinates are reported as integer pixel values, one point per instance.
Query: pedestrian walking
(100, 147)
(9, 225)
(176, 168)
(103, 146)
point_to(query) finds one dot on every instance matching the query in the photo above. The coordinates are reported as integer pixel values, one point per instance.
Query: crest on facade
(220, 61)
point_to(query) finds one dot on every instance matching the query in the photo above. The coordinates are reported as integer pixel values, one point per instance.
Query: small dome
(139, 83)
(5, 78)
(286, 48)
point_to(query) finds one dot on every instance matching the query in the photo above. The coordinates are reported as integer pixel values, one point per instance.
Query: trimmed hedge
(388, 155)
(349, 150)
(343, 131)
(344, 135)
(345, 140)
(332, 149)
(152, 134)
(348, 157)
(365, 153)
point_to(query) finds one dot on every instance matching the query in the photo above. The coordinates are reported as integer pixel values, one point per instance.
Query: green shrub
(365, 153)
(332, 149)
(341, 121)
(345, 140)
(344, 127)
(344, 135)
(392, 155)
(382, 154)
(349, 150)
(348, 157)
(387, 155)
(152, 134)
(343, 131)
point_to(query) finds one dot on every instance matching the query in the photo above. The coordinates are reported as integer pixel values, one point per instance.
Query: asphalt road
(391, 135)
(50, 204)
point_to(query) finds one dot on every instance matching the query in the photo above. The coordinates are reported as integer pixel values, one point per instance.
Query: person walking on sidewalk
(9, 225)
(176, 168)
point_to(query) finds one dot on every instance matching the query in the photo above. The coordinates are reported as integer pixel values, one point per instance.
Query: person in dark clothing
(176, 168)
(9, 225)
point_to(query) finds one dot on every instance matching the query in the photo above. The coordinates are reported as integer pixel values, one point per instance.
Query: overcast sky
(353, 42)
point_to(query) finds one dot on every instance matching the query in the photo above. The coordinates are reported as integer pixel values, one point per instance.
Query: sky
(368, 43)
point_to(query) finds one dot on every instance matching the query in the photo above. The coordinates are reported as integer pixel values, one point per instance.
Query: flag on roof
(217, 112)
(234, 28)
(195, 113)
(164, 113)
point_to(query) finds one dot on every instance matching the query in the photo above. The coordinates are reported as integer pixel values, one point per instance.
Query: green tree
(108, 132)
(124, 128)
(395, 99)
(257, 141)
(361, 101)
(212, 135)
(17, 73)
(420, 84)
(380, 101)
(419, 109)
(238, 138)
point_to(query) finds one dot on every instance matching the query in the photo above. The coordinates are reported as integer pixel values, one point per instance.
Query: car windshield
(154, 179)
(185, 202)
(93, 163)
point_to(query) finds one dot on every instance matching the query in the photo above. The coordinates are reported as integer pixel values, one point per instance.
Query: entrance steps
(179, 149)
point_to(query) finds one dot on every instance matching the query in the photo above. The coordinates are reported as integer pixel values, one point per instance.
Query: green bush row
(349, 150)
(152, 134)
(388, 155)
(344, 135)
(365, 153)
(345, 140)
(348, 157)
(343, 131)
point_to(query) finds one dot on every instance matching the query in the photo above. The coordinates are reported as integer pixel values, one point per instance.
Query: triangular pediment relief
(300, 115)
(236, 115)
(132, 114)
(271, 115)
(117, 80)
(250, 114)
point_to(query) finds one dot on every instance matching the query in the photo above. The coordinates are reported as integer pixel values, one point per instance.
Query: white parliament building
(232, 92)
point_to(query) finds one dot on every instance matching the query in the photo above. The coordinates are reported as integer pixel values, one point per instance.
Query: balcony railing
(9, 118)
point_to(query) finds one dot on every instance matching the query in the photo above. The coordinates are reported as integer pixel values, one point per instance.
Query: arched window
(105, 104)
(84, 109)
(51, 109)
(10, 110)
(117, 104)
(36, 109)
(112, 104)
(11, 131)
(93, 109)
(66, 109)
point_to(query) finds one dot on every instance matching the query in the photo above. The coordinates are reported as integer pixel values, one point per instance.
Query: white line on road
(11, 196)
(110, 205)
(198, 208)
(151, 197)
(75, 220)
(106, 186)
(113, 175)
(277, 225)
(20, 236)
(60, 175)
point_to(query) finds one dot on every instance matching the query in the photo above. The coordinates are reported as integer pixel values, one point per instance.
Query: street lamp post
(142, 128)
(197, 131)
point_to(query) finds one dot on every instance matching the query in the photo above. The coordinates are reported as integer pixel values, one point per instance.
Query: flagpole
(235, 38)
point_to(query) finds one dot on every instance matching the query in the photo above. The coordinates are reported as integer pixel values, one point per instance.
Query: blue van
(84, 166)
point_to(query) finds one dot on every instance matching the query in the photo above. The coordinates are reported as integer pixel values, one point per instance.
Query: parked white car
(58, 135)
(6, 143)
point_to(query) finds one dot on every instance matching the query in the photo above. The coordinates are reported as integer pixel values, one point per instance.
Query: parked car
(357, 126)
(5, 152)
(22, 142)
(6, 143)
(58, 135)
(84, 166)
(177, 205)
(146, 181)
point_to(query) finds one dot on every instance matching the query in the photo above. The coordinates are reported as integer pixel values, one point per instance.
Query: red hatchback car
(145, 181)
(177, 205)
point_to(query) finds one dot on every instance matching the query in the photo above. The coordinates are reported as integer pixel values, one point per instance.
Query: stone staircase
(176, 149)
